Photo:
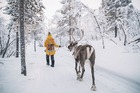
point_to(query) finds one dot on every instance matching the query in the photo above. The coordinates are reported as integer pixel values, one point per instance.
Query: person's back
(50, 50)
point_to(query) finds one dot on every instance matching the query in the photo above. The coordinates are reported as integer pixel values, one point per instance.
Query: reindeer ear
(70, 43)
(76, 42)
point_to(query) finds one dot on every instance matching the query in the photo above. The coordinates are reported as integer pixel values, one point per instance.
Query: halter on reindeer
(82, 53)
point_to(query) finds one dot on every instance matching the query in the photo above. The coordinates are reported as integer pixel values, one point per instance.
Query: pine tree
(120, 16)
(70, 16)
(33, 15)
(28, 19)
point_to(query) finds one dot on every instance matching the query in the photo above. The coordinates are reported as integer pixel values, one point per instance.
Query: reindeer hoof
(80, 79)
(93, 88)
(78, 76)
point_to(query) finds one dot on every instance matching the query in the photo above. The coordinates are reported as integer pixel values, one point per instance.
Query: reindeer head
(75, 41)
(72, 45)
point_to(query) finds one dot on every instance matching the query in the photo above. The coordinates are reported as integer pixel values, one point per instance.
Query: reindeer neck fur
(74, 49)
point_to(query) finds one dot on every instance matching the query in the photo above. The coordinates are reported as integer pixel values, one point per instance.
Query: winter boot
(52, 65)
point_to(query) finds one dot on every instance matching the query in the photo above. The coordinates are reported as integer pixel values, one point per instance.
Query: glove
(59, 46)
(45, 50)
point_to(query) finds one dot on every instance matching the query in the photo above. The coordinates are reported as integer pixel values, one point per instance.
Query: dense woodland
(116, 20)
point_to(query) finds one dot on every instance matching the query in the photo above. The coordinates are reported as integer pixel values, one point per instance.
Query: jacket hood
(49, 36)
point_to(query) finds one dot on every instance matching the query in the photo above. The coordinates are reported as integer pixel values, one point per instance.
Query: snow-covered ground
(116, 71)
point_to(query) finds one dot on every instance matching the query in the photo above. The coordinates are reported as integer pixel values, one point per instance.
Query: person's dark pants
(52, 60)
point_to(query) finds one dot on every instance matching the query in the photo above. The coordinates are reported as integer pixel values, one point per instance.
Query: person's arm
(56, 44)
(45, 43)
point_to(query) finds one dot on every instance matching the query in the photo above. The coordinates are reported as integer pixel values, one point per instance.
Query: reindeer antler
(81, 36)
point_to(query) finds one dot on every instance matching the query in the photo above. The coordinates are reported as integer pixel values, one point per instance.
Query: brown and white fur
(81, 54)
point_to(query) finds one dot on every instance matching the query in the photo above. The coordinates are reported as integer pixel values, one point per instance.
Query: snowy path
(62, 78)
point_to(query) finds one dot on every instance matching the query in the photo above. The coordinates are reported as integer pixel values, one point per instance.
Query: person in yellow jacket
(50, 50)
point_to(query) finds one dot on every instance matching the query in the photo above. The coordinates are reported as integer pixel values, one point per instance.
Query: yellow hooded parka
(48, 41)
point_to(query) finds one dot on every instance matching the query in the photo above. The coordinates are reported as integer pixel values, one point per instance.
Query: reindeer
(81, 54)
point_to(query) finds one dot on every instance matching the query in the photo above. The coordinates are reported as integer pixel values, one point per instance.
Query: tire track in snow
(118, 83)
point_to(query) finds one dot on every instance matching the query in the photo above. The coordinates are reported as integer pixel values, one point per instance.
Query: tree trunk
(17, 45)
(70, 30)
(97, 25)
(22, 38)
(125, 37)
(100, 32)
(35, 41)
(137, 18)
(34, 44)
(7, 44)
(116, 31)
(0, 46)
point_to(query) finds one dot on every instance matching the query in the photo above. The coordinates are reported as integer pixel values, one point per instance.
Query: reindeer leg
(77, 70)
(76, 67)
(83, 70)
(78, 74)
(93, 87)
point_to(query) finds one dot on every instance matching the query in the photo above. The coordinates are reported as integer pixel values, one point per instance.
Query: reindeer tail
(90, 50)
